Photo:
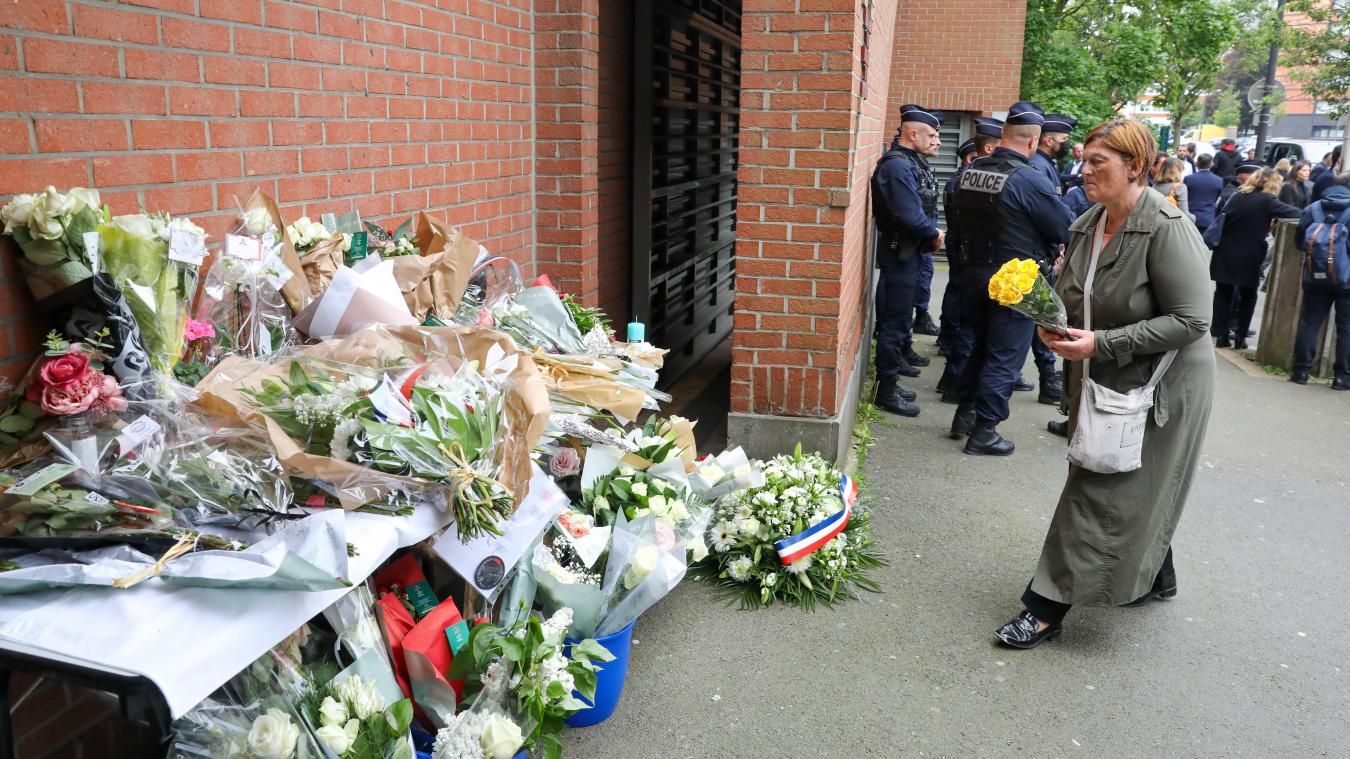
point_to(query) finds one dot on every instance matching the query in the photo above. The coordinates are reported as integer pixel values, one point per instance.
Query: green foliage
(1193, 36)
(1320, 51)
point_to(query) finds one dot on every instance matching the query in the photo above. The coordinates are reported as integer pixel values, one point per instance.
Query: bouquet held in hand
(1021, 286)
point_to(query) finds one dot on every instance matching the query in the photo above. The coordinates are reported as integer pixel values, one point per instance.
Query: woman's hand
(1081, 344)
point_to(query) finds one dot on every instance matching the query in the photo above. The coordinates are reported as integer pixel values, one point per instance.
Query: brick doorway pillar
(814, 83)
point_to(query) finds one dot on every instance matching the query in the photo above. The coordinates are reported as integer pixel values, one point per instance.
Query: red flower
(66, 370)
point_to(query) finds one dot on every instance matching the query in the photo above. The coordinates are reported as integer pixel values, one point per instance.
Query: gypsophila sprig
(799, 491)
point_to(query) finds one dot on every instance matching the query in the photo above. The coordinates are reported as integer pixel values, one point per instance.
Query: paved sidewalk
(1251, 660)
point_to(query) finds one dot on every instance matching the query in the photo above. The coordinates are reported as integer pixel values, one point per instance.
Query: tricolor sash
(810, 540)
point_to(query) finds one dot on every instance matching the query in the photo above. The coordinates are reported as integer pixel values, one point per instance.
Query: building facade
(698, 165)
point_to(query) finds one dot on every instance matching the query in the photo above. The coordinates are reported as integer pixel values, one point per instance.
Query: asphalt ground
(1252, 659)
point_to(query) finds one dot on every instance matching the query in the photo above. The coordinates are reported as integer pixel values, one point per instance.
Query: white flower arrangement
(305, 234)
(798, 491)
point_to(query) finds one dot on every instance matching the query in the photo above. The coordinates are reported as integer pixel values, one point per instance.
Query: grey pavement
(1252, 659)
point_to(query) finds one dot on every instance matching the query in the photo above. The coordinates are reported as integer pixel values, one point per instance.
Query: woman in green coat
(1110, 541)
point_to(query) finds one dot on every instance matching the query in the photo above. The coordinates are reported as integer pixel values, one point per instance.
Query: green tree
(1193, 35)
(1321, 51)
(1087, 58)
(1227, 110)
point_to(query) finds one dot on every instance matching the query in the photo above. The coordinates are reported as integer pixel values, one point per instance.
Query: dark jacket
(1334, 202)
(1295, 194)
(1241, 251)
(1226, 161)
(1204, 188)
(1323, 182)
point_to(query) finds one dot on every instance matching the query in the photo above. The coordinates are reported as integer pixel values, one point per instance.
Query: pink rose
(195, 330)
(565, 463)
(109, 397)
(65, 370)
(71, 398)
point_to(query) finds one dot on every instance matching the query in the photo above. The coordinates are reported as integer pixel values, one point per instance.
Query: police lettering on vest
(983, 181)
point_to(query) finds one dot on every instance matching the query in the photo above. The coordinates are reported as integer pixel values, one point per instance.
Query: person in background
(1191, 156)
(1251, 154)
(1203, 189)
(1322, 166)
(1053, 146)
(1323, 180)
(1244, 172)
(1282, 166)
(1184, 155)
(1236, 265)
(1319, 299)
(905, 209)
(1077, 201)
(1155, 168)
(1226, 160)
(1297, 190)
(1109, 543)
(1168, 183)
(1073, 171)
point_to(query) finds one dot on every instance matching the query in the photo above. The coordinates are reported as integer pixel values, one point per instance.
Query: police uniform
(1008, 209)
(954, 341)
(1051, 387)
(904, 205)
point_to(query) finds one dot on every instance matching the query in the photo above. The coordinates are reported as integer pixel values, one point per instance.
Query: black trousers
(1227, 300)
(1317, 305)
(1053, 612)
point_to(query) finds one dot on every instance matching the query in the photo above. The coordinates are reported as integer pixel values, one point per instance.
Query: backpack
(1326, 261)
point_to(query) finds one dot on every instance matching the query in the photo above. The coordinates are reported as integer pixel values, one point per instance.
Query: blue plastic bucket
(609, 679)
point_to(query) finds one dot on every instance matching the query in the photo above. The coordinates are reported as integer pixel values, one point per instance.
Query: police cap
(987, 127)
(1024, 113)
(1248, 168)
(967, 148)
(1058, 122)
(922, 115)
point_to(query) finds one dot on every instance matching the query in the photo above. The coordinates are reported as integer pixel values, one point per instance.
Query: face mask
(1063, 150)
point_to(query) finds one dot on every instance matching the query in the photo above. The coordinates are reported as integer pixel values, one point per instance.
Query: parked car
(1298, 150)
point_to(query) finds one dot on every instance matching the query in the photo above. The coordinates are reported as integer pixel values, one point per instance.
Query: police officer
(904, 204)
(1008, 209)
(1053, 146)
(953, 342)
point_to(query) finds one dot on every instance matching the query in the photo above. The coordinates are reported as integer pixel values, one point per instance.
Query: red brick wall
(810, 135)
(385, 106)
(937, 64)
(567, 85)
(616, 155)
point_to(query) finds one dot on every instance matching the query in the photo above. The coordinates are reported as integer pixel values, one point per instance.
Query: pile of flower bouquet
(211, 416)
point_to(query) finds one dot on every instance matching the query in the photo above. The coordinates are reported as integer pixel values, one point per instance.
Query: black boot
(1022, 386)
(891, 397)
(1060, 428)
(1223, 342)
(923, 324)
(985, 441)
(963, 421)
(1299, 378)
(904, 368)
(1051, 390)
(914, 359)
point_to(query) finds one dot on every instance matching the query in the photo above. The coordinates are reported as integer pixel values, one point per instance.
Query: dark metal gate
(686, 131)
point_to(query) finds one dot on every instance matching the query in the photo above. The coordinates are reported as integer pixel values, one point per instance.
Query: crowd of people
(1144, 227)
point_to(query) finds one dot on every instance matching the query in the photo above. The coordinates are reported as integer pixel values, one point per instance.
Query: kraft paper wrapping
(591, 385)
(526, 404)
(434, 282)
(321, 262)
(296, 291)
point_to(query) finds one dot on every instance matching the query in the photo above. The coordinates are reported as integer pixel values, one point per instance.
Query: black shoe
(1156, 594)
(942, 350)
(1223, 342)
(1051, 390)
(1299, 378)
(906, 369)
(923, 324)
(985, 441)
(1022, 386)
(951, 397)
(1340, 385)
(962, 422)
(1058, 428)
(1240, 345)
(893, 400)
(1023, 632)
(914, 359)
(944, 383)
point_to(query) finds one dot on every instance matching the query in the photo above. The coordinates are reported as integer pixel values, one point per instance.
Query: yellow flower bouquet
(1019, 285)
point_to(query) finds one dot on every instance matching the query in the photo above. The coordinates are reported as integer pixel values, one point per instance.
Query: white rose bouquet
(799, 492)
(221, 726)
(525, 669)
(49, 228)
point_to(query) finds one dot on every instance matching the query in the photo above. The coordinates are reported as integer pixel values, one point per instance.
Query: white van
(1298, 150)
